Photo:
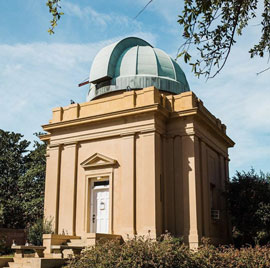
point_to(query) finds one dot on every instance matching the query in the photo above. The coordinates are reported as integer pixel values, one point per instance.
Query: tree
(210, 26)
(22, 179)
(32, 184)
(12, 166)
(249, 203)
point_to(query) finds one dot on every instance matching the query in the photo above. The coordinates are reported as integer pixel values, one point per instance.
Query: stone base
(55, 239)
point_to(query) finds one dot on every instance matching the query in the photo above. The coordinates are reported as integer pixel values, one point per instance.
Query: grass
(7, 256)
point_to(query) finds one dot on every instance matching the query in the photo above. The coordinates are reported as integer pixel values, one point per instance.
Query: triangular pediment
(98, 160)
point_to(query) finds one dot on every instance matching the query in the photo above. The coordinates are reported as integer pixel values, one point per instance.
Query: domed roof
(133, 63)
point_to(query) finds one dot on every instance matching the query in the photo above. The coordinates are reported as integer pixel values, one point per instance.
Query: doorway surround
(98, 168)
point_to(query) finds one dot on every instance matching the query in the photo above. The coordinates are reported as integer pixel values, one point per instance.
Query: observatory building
(141, 156)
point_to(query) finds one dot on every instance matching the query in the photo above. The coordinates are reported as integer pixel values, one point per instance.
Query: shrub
(2, 245)
(36, 231)
(137, 252)
(4, 249)
(228, 256)
(169, 252)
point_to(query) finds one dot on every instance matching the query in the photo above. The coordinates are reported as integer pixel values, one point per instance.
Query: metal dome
(132, 63)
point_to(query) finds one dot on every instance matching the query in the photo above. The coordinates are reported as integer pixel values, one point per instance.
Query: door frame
(92, 175)
(92, 201)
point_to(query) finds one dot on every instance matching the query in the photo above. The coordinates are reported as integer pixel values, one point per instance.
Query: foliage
(228, 256)
(3, 248)
(169, 252)
(22, 175)
(36, 231)
(212, 25)
(249, 203)
(12, 166)
(32, 184)
(2, 219)
(137, 252)
(263, 213)
(54, 6)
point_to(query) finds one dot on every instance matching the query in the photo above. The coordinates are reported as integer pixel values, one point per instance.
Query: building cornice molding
(148, 102)
(202, 117)
(96, 118)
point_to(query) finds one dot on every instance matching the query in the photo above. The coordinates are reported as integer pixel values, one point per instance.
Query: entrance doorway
(100, 205)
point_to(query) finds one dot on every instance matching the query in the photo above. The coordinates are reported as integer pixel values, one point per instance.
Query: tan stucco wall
(165, 151)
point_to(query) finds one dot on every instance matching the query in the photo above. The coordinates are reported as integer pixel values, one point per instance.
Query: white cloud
(99, 18)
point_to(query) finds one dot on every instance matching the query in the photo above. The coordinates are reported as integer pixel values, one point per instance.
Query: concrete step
(18, 260)
(15, 265)
(22, 260)
(77, 244)
(37, 262)
(75, 241)
(20, 263)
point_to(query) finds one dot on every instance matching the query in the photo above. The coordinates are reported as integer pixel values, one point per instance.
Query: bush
(229, 256)
(169, 252)
(4, 249)
(137, 252)
(2, 246)
(36, 231)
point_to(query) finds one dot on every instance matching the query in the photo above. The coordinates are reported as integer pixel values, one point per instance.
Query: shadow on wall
(18, 235)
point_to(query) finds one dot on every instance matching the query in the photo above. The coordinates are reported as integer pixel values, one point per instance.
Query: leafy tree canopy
(22, 176)
(249, 203)
(12, 167)
(210, 26)
(32, 184)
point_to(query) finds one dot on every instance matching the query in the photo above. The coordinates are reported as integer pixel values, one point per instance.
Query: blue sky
(39, 71)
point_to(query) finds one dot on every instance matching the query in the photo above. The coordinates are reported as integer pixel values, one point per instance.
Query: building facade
(141, 157)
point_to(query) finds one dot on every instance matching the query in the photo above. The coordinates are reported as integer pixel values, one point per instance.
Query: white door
(100, 210)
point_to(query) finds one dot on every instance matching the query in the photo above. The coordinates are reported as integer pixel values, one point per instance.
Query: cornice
(151, 104)
(102, 117)
(215, 130)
